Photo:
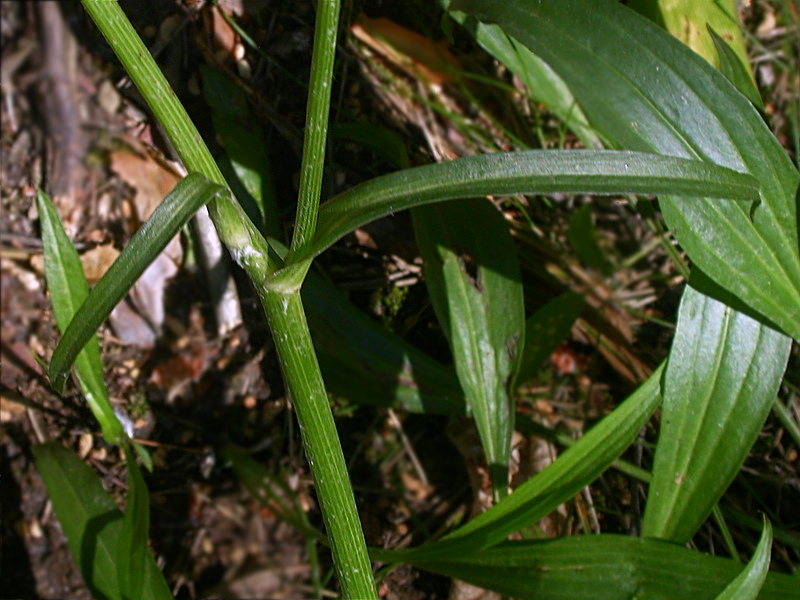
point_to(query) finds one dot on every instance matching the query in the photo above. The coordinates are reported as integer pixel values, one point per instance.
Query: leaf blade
(91, 522)
(68, 289)
(749, 582)
(526, 172)
(660, 96)
(721, 381)
(189, 195)
(597, 567)
(559, 481)
(473, 278)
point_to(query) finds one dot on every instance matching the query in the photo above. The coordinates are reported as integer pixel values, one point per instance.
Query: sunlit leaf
(657, 95)
(68, 289)
(189, 195)
(543, 84)
(562, 479)
(526, 172)
(721, 381)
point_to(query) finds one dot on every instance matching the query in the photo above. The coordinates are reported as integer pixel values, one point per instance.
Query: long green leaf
(91, 522)
(133, 553)
(597, 567)
(473, 278)
(576, 468)
(181, 203)
(749, 582)
(68, 289)
(721, 381)
(526, 172)
(543, 84)
(657, 95)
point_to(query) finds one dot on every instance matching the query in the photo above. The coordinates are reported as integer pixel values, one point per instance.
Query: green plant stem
(284, 311)
(238, 233)
(287, 321)
(316, 132)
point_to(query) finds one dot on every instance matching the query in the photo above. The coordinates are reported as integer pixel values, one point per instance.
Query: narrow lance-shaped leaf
(68, 289)
(543, 84)
(660, 96)
(181, 203)
(91, 522)
(597, 567)
(133, 552)
(473, 278)
(722, 377)
(750, 581)
(526, 172)
(569, 473)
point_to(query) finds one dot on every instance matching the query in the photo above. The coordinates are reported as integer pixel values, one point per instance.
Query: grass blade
(68, 289)
(660, 96)
(526, 172)
(91, 522)
(749, 582)
(473, 278)
(181, 203)
(598, 567)
(721, 381)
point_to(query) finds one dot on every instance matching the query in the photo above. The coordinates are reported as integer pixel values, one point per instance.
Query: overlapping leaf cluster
(675, 127)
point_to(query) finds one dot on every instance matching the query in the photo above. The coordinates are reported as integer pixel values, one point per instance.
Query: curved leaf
(181, 203)
(657, 95)
(749, 582)
(526, 172)
(542, 82)
(68, 289)
(721, 381)
(473, 278)
(596, 567)
(580, 464)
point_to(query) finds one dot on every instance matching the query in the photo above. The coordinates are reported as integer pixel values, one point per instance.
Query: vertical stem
(287, 321)
(249, 248)
(316, 132)
(235, 229)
